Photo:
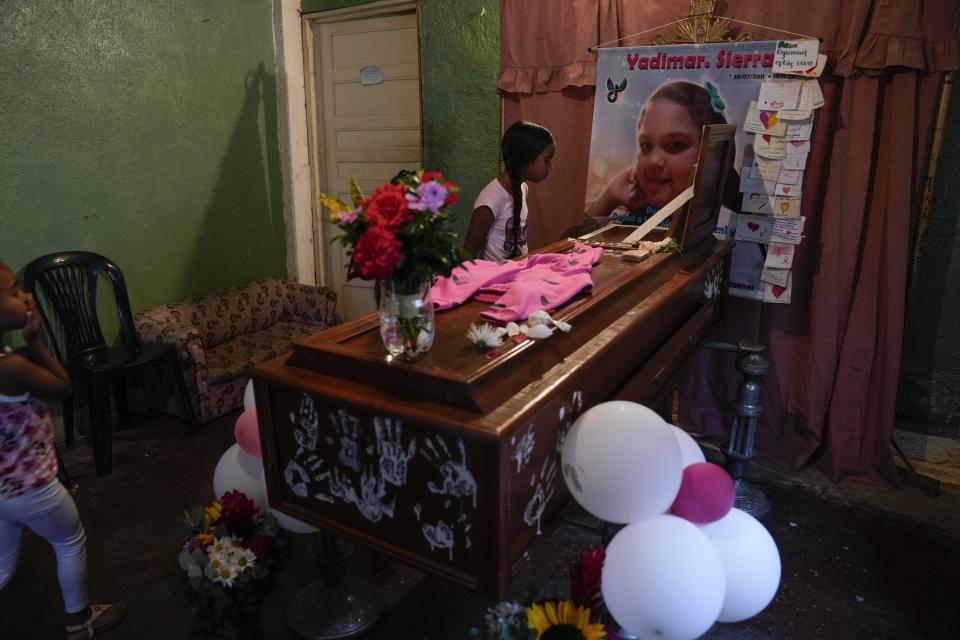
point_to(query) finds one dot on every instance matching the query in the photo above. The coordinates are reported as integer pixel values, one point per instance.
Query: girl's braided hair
(521, 145)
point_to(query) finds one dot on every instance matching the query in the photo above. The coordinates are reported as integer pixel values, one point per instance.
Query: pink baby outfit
(27, 457)
(517, 288)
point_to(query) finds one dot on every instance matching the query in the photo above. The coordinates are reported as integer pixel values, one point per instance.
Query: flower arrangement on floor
(400, 236)
(229, 560)
(574, 619)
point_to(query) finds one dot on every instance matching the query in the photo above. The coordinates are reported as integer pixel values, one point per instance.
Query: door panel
(369, 132)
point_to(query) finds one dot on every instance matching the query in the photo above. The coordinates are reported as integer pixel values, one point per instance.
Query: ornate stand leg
(743, 428)
(337, 606)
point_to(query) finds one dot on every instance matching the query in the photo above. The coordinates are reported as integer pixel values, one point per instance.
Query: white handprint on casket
(524, 449)
(306, 425)
(347, 429)
(297, 478)
(546, 484)
(393, 457)
(369, 502)
(372, 492)
(443, 536)
(440, 536)
(458, 481)
(341, 487)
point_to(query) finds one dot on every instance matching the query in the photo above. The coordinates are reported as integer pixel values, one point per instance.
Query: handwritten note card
(776, 293)
(757, 203)
(779, 277)
(755, 185)
(817, 70)
(764, 122)
(765, 169)
(797, 146)
(770, 147)
(779, 255)
(794, 114)
(753, 228)
(787, 190)
(787, 229)
(787, 206)
(751, 123)
(811, 96)
(799, 130)
(788, 176)
(779, 94)
(795, 57)
(794, 161)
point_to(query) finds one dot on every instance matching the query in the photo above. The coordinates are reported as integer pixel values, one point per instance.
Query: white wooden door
(370, 128)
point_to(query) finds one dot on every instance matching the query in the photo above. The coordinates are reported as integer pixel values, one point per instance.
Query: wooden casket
(451, 463)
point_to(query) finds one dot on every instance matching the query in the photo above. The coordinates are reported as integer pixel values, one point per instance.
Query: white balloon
(751, 562)
(239, 471)
(292, 524)
(248, 400)
(662, 578)
(690, 451)
(621, 462)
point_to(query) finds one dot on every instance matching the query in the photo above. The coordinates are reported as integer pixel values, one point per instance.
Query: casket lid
(454, 372)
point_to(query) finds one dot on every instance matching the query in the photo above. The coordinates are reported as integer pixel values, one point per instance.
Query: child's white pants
(52, 514)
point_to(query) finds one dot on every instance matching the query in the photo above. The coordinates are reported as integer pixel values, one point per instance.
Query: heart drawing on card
(797, 143)
(784, 206)
(785, 189)
(768, 119)
(753, 226)
(777, 290)
(766, 138)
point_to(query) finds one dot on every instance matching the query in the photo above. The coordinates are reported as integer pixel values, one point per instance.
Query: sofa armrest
(185, 339)
(309, 304)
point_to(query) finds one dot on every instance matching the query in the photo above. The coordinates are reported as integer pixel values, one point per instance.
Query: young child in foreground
(30, 494)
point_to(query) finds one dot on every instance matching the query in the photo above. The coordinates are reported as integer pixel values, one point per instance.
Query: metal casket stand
(336, 606)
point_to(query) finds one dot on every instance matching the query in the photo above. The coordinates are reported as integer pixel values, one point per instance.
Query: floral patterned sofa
(220, 335)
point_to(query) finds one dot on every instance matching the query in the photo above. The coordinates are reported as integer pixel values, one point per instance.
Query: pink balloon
(706, 494)
(247, 433)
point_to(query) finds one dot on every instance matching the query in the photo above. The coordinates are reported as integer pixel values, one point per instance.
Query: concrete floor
(858, 561)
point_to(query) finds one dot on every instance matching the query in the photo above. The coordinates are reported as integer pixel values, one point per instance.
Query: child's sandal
(102, 617)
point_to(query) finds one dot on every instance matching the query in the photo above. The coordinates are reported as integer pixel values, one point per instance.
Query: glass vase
(406, 318)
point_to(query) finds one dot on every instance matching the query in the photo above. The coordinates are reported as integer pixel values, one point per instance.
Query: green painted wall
(145, 131)
(930, 374)
(460, 59)
(459, 62)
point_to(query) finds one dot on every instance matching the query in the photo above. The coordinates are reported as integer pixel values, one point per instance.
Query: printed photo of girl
(668, 142)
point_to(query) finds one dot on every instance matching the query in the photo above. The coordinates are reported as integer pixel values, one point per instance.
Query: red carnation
(259, 544)
(377, 253)
(238, 510)
(388, 206)
(585, 577)
(453, 196)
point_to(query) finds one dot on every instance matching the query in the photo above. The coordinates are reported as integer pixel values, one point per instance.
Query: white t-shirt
(500, 236)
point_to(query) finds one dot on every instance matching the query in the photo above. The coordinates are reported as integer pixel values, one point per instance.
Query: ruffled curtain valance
(906, 33)
(544, 44)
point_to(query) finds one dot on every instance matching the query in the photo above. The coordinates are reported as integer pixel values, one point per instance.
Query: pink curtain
(835, 352)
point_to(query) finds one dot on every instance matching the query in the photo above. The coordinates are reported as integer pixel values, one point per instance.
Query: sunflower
(211, 515)
(563, 621)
